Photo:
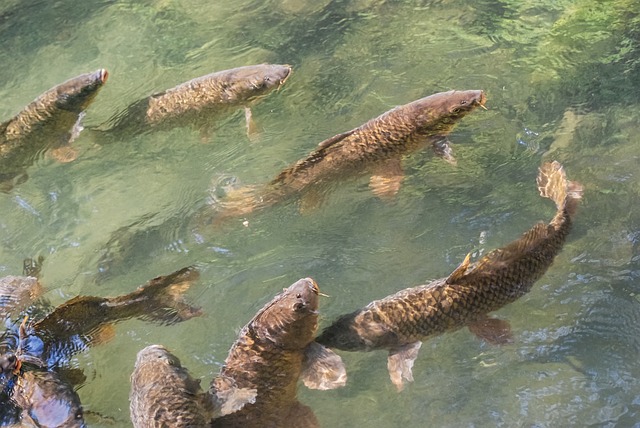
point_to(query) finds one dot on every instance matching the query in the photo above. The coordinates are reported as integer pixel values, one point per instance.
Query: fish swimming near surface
(47, 401)
(201, 100)
(164, 394)
(375, 148)
(47, 343)
(49, 123)
(272, 352)
(400, 322)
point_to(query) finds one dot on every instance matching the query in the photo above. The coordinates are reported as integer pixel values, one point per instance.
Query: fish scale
(402, 320)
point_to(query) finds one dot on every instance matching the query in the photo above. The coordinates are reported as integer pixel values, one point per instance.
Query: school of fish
(278, 348)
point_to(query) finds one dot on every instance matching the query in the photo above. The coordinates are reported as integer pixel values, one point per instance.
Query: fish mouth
(314, 287)
(289, 70)
(103, 75)
(482, 100)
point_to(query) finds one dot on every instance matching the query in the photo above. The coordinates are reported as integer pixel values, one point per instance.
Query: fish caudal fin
(322, 368)
(553, 184)
(163, 297)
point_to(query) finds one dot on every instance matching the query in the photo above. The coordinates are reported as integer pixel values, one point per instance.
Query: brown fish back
(471, 291)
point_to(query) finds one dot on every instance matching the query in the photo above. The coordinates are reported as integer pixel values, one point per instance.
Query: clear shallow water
(561, 81)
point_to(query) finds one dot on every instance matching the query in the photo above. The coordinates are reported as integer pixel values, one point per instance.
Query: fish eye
(298, 296)
(463, 102)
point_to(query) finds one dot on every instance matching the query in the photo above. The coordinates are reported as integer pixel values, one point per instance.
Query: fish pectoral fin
(322, 368)
(386, 179)
(442, 147)
(493, 330)
(229, 398)
(311, 200)
(253, 131)
(64, 154)
(400, 363)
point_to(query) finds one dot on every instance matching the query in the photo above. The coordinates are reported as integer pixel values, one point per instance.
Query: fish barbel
(400, 322)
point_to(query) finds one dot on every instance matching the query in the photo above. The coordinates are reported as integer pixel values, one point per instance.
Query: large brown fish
(203, 98)
(164, 394)
(375, 148)
(47, 401)
(401, 322)
(48, 123)
(47, 344)
(269, 356)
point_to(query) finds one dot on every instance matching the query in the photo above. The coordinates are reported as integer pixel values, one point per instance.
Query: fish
(47, 343)
(163, 393)
(270, 355)
(201, 99)
(375, 148)
(87, 320)
(48, 124)
(47, 401)
(400, 322)
(17, 292)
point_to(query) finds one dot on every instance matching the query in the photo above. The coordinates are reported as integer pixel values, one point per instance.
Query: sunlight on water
(561, 80)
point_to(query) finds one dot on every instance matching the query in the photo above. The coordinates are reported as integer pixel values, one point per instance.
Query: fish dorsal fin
(460, 271)
(400, 363)
(334, 140)
(322, 368)
(518, 248)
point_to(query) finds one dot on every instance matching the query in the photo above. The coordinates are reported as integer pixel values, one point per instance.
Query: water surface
(562, 82)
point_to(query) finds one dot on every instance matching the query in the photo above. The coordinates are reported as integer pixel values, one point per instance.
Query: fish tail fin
(163, 300)
(553, 184)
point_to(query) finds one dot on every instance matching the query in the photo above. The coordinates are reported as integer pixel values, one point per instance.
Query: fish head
(441, 111)
(256, 81)
(76, 94)
(156, 353)
(48, 401)
(290, 319)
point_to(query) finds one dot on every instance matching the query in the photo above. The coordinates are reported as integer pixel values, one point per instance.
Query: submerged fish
(270, 355)
(400, 322)
(164, 394)
(48, 123)
(47, 401)
(375, 148)
(47, 344)
(17, 292)
(202, 98)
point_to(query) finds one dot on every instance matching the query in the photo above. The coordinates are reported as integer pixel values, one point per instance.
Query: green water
(562, 80)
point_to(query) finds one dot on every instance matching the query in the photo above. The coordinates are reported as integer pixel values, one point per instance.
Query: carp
(48, 343)
(49, 123)
(203, 98)
(47, 401)
(400, 322)
(272, 352)
(163, 393)
(374, 148)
